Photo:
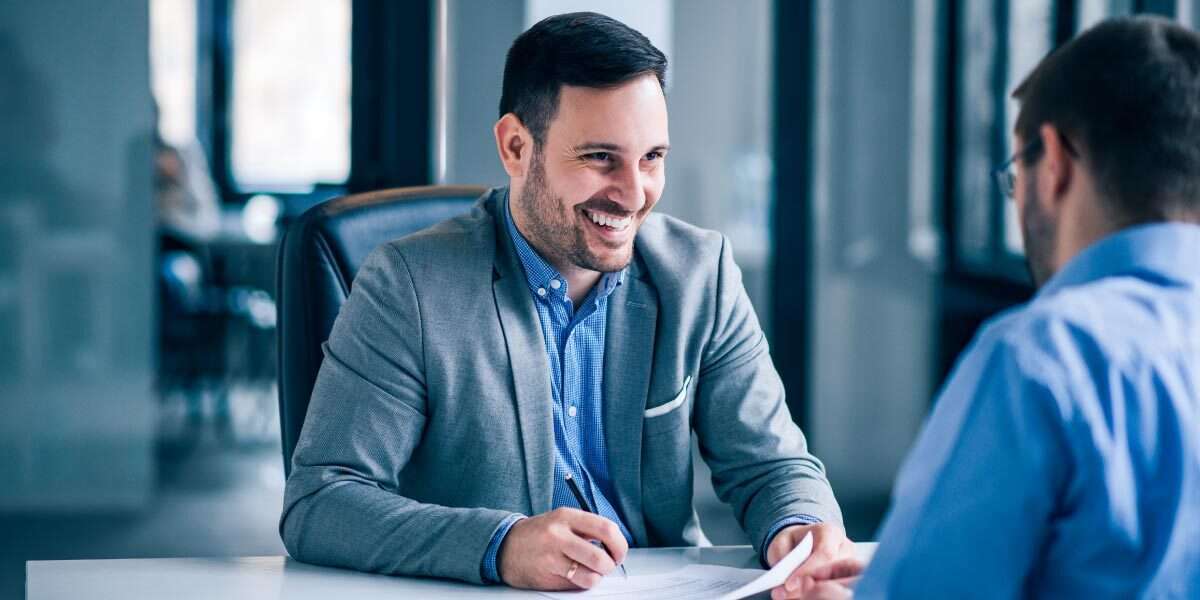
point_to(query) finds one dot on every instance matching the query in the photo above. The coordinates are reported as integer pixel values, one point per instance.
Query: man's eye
(599, 156)
(654, 155)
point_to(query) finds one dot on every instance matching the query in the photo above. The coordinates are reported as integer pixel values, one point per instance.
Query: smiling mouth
(609, 222)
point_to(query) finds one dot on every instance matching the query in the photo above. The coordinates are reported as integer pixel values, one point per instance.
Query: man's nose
(628, 188)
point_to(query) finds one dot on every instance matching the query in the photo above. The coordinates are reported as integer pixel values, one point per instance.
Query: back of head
(578, 49)
(1126, 96)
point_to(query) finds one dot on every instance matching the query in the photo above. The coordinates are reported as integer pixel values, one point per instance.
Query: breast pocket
(668, 415)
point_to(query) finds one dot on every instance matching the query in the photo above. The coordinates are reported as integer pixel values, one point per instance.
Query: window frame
(390, 128)
(973, 289)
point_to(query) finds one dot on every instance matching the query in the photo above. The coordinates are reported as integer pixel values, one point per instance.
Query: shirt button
(572, 411)
(541, 291)
(554, 283)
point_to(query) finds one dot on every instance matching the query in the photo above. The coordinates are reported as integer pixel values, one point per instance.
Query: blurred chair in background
(318, 257)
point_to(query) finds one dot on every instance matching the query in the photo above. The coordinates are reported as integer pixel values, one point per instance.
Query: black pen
(583, 503)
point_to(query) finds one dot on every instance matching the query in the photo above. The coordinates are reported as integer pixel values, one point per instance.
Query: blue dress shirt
(574, 342)
(1062, 458)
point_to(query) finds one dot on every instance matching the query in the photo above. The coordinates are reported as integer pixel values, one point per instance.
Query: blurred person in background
(188, 206)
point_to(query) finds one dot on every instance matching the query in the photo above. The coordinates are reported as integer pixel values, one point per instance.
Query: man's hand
(554, 551)
(830, 545)
(834, 581)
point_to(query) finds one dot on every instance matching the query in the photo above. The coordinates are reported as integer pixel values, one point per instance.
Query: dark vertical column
(391, 78)
(1164, 8)
(1001, 136)
(948, 340)
(795, 50)
(221, 55)
(1065, 15)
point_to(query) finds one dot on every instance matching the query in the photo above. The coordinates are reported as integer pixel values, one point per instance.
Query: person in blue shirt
(1062, 458)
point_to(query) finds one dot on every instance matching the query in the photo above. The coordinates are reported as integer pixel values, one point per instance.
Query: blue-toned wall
(76, 256)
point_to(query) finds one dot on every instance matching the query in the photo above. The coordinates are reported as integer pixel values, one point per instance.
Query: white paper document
(778, 573)
(696, 582)
(693, 582)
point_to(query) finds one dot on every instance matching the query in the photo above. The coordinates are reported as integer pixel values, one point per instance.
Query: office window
(1090, 12)
(1188, 13)
(290, 104)
(173, 68)
(1030, 37)
(975, 115)
(999, 44)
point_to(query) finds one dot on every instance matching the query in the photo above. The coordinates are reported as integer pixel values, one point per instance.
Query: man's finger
(840, 569)
(600, 529)
(589, 556)
(780, 546)
(844, 572)
(818, 590)
(814, 562)
(829, 590)
(582, 577)
(814, 566)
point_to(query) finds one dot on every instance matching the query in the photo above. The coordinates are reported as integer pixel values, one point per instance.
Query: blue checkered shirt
(574, 340)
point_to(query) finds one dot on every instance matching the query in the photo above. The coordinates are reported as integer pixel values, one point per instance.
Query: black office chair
(318, 257)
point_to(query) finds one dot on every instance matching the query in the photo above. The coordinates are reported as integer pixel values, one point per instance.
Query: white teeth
(612, 222)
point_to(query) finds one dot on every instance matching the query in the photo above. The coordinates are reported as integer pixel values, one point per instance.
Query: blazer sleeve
(758, 456)
(342, 505)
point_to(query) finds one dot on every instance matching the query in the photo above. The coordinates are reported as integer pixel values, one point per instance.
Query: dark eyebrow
(597, 146)
(607, 147)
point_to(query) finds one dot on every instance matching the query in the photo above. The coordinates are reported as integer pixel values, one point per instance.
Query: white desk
(266, 577)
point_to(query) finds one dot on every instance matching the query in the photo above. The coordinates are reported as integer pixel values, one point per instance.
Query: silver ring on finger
(572, 570)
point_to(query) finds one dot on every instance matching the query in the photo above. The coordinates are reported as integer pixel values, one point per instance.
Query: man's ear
(1057, 171)
(514, 144)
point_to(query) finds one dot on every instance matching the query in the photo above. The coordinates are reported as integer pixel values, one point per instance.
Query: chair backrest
(318, 257)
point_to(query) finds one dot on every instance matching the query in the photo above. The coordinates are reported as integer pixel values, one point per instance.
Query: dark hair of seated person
(1125, 95)
(577, 49)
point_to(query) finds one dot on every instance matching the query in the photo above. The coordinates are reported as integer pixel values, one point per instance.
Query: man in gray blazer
(507, 387)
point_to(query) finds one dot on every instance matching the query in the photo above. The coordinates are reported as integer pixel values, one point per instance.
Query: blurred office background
(151, 153)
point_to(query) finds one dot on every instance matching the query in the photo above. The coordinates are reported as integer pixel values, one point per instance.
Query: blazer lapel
(628, 354)
(530, 368)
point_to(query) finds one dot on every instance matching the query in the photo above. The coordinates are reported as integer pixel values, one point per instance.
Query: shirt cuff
(490, 568)
(800, 519)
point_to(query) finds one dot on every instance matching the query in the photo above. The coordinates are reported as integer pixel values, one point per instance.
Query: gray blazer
(430, 420)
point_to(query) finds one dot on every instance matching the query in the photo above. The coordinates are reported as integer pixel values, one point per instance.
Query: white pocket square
(663, 409)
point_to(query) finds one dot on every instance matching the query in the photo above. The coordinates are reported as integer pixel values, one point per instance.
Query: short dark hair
(581, 49)
(1126, 96)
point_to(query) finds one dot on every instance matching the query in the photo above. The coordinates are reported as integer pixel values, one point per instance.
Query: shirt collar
(1168, 251)
(540, 275)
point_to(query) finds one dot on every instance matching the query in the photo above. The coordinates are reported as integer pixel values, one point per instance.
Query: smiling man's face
(597, 176)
